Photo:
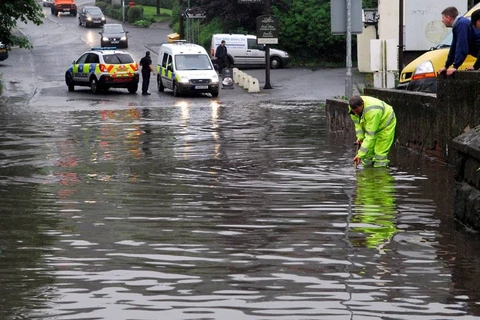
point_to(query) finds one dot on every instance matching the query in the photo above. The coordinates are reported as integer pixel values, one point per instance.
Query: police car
(103, 68)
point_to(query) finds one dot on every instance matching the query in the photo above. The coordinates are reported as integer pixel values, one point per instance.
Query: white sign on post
(383, 62)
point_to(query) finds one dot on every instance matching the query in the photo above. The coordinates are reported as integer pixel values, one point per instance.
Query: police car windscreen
(193, 62)
(119, 58)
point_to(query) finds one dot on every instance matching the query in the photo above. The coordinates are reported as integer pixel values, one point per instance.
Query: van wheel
(160, 86)
(175, 90)
(214, 93)
(275, 63)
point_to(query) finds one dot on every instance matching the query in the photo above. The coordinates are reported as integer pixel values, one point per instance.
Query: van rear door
(255, 56)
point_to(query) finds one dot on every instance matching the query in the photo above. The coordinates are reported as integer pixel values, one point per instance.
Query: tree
(12, 11)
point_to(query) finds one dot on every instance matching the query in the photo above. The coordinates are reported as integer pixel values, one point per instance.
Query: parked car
(3, 51)
(47, 3)
(103, 68)
(421, 74)
(113, 34)
(91, 16)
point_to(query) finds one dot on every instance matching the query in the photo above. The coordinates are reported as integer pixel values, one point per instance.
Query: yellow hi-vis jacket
(376, 117)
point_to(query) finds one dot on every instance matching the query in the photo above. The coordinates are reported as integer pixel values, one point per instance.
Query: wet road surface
(216, 211)
(117, 206)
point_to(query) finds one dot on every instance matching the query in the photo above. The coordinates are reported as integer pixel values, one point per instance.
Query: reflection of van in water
(243, 50)
(186, 68)
(421, 73)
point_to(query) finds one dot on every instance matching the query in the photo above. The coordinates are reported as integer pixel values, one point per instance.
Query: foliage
(304, 29)
(103, 5)
(150, 13)
(145, 23)
(134, 14)
(168, 4)
(12, 11)
(206, 32)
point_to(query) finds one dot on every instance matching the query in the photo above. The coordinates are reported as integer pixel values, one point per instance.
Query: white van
(243, 50)
(186, 68)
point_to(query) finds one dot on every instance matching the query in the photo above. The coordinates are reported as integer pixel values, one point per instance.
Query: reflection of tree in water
(375, 212)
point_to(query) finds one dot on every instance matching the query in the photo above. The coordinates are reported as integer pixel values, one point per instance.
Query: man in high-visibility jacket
(375, 123)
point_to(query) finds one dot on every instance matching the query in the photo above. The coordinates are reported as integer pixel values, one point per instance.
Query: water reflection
(375, 208)
(207, 211)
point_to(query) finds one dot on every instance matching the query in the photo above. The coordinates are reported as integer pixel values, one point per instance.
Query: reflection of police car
(103, 68)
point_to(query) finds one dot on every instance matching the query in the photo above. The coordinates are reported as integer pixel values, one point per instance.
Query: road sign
(195, 13)
(267, 29)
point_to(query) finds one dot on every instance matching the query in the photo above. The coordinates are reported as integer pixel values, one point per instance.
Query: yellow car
(421, 73)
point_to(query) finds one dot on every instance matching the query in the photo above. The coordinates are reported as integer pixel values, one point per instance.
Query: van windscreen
(193, 62)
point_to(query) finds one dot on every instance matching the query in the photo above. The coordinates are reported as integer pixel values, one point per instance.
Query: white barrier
(246, 83)
(241, 80)
(237, 77)
(254, 85)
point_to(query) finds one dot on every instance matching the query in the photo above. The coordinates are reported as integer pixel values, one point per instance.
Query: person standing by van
(465, 41)
(222, 57)
(146, 63)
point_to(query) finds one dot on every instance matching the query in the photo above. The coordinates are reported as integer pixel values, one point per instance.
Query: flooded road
(211, 211)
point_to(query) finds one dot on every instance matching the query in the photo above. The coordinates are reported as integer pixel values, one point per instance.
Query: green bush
(145, 23)
(102, 5)
(206, 32)
(134, 14)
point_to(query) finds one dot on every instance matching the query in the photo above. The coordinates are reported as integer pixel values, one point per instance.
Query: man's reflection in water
(373, 223)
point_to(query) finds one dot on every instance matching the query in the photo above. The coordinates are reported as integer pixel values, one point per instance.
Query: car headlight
(184, 79)
(89, 18)
(123, 38)
(424, 70)
(105, 39)
(215, 79)
(103, 18)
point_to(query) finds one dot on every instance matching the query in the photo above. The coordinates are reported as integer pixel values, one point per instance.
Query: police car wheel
(69, 81)
(94, 86)
(161, 88)
(133, 89)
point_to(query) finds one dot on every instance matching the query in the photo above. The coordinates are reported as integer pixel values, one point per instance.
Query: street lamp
(123, 10)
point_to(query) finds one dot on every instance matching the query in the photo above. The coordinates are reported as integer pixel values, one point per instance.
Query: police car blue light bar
(104, 48)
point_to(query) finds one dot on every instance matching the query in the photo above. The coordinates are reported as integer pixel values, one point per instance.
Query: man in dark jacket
(475, 19)
(221, 55)
(465, 41)
(146, 63)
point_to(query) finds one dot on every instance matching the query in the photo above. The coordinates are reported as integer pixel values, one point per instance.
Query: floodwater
(208, 211)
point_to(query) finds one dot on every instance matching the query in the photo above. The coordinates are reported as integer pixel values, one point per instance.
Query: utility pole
(123, 11)
(180, 24)
(348, 78)
(267, 53)
(400, 36)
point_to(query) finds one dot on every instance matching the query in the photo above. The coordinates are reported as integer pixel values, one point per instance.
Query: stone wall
(467, 194)
(435, 124)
